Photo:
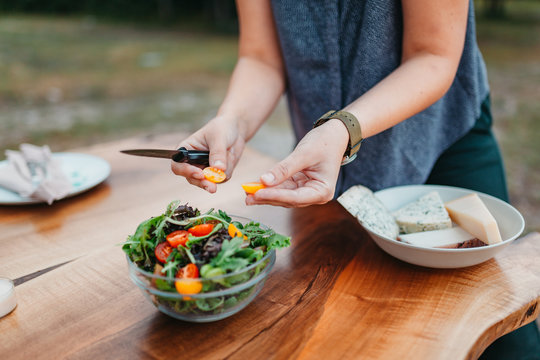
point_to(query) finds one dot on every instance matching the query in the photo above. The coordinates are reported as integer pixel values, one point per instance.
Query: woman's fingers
(285, 169)
(203, 184)
(223, 155)
(308, 194)
(187, 170)
(233, 156)
(217, 143)
(193, 175)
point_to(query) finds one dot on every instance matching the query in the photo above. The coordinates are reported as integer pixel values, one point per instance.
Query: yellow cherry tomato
(252, 187)
(214, 175)
(235, 232)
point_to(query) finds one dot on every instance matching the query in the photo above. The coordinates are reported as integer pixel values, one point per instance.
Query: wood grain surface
(137, 189)
(333, 294)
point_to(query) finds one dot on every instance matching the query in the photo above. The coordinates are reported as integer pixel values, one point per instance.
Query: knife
(182, 155)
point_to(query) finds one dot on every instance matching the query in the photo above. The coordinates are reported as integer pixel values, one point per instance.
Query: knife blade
(182, 155)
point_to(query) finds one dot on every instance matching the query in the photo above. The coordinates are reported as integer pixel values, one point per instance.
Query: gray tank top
(336, 50)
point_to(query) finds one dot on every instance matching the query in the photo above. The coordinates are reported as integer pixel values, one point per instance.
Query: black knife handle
(194, 157)
(198, 157)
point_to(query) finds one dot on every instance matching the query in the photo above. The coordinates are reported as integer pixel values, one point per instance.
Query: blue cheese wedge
(452, 238)
(370, 211)
(426, 214)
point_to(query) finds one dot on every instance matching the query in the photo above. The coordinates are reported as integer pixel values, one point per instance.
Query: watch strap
(353, 127)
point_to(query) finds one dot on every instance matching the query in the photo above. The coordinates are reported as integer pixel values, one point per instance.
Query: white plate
(84, 172)
(509, 220)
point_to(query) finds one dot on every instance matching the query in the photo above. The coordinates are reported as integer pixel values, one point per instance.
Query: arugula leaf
(233, 264)
(171, 268)
(265, 237)
(230, 302)
(196, 220)
(251, 255)
(164, 285)
(176, 259)
(189, 255)
(141, 245)
(173, 205)
(228, 249)
(276, 241)
(222, 214)
(210, 303)
(159, 232)
(226, 259)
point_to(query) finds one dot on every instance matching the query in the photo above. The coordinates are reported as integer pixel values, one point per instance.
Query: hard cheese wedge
(450, 238)
(471, 214)
(425, 214)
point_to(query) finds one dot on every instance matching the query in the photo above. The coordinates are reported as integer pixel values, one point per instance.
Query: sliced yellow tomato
(235, 232)
(186, 283)
(186, 286)
(214, 175)
(252, 187)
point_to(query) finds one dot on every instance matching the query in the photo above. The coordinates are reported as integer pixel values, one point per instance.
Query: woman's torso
(334, 51)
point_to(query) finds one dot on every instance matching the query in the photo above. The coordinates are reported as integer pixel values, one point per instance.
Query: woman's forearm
(254, 90)
(412, 87)
(433, 39)
(258, 80)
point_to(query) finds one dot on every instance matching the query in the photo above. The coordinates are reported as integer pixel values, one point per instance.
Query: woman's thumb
(218, 153)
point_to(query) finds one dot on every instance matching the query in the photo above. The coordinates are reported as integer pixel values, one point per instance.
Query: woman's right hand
(220, 136)
(256, 85)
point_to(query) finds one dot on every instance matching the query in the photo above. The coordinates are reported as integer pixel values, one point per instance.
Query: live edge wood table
(332, 295)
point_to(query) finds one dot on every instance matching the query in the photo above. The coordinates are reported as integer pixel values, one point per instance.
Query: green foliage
(234, 256)
(227, 267)
(267, 238)
(140, 246)
(220, 12)
(227, 258)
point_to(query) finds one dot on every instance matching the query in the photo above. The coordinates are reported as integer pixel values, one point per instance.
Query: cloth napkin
(33, 172)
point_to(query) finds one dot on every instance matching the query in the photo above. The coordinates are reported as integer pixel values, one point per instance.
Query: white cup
(7, 296)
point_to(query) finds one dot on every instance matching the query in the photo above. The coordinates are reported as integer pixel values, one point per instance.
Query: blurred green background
(74, 73)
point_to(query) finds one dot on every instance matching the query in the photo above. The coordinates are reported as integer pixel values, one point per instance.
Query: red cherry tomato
(190, 271)
(185, 286)
(163, 250)
(201, 230)
(178, 237)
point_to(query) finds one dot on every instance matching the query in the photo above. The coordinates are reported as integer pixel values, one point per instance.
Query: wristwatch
(353, 127)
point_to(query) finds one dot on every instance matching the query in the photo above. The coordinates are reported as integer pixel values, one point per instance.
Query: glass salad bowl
(221, 296)
(201, 267)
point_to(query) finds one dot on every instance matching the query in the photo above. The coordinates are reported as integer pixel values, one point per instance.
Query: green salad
(188, 253)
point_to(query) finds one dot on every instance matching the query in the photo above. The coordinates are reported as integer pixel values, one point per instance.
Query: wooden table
(333, 294)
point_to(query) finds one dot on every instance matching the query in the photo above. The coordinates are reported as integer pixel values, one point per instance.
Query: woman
(407, 76)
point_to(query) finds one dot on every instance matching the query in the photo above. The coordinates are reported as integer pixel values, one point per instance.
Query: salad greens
(194, 252)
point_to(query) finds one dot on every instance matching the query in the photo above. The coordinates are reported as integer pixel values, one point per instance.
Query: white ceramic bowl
(510, 221)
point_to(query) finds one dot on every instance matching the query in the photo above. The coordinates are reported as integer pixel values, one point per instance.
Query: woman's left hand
(309, 174)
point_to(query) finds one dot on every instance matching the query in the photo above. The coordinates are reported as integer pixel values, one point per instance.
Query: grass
(88, 60)
(511, 49)
(74, 81)
(70, 82)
